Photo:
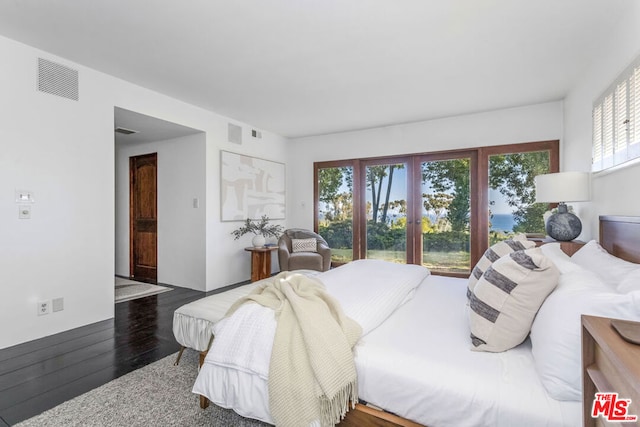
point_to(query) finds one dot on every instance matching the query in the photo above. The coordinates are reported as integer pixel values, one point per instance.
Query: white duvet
(419, 365)
(369, 291)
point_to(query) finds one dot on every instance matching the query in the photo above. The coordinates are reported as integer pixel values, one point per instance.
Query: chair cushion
(304, 245)
(305, 260)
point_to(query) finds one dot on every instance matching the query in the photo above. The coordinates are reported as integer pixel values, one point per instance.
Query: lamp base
(563, 226)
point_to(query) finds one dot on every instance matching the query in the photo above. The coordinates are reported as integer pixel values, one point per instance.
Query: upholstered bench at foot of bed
(193, 322)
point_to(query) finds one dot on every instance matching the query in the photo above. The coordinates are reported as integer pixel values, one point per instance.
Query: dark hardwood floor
(38, 375)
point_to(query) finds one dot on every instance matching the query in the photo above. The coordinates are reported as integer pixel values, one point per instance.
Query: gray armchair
(289, 260)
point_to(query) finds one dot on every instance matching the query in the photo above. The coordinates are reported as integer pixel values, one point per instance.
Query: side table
(609, 364)
(260, 262)
(569, 248)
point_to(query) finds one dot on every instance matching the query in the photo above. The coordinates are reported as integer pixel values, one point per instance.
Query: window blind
(616, 121)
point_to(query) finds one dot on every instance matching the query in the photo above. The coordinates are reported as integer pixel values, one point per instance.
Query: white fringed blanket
(312, 375)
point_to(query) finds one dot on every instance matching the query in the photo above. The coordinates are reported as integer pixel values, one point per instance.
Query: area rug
(126, 289)
(158, 394)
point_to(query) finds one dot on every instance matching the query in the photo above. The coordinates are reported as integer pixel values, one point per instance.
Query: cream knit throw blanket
(312, 375)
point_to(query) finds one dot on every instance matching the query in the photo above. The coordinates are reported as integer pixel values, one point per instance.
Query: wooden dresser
(609, 364)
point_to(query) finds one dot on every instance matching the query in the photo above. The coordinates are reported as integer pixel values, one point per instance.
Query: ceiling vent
(56, 79)
(235, 133)
(125, 131)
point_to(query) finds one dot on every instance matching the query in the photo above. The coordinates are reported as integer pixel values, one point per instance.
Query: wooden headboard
(620, 236)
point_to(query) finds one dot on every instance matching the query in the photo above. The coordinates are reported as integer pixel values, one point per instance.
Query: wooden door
(143, 217)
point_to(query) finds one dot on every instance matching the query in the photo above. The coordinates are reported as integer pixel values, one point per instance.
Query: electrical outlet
(24, 212)
(57, 304)
(44, 307)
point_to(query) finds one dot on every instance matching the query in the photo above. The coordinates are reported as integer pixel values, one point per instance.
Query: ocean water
(502, 222)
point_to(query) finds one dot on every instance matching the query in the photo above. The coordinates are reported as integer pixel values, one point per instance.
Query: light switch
(196, 202)
(24, 212)
(25, 196)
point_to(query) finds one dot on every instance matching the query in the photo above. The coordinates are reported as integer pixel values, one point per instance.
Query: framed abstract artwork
(251, 187)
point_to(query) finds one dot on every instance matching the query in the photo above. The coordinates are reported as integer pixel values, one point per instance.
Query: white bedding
(418, 365)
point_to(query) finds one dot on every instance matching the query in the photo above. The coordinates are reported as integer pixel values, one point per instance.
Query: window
(446, 212)
(616, 121)
(386, 210)
(334, 212)
(512, 207)
(440, 210)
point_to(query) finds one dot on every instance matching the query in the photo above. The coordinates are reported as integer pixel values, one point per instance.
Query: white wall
(614, 193)
(64, 151)
(181, 226)
(516, 125)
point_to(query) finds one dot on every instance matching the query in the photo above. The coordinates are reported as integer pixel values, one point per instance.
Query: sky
(399, 192)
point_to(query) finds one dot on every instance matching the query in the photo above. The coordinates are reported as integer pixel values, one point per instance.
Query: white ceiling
(148, 129)
(307, 67)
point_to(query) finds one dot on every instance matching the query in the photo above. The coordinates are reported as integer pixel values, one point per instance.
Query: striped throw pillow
(304, 245)
(507, 297)
(518, 242)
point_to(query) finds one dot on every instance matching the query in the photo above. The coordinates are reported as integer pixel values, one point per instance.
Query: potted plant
(262, 229)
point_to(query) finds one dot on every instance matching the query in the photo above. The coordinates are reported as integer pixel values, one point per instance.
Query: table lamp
(560, 188)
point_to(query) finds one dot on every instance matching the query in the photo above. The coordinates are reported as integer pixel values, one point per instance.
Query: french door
(445, 203)
(399, 209)
(385, 210)
(440, 210)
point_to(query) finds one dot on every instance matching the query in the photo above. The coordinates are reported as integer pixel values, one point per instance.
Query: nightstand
(261, 262)
(568, 248)
(609, 364)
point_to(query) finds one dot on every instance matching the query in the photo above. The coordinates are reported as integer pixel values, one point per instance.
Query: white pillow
(554, 252)
(304, 245)
(506, 298)
(556, 330)
(495, 252)
(595, 258)
(630, 283)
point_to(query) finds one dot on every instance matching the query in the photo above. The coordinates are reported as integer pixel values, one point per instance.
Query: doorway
(143, 217)
(179, 243)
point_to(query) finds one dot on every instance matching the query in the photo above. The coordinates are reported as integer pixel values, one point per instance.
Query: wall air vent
(56, 79)
(125, 131)
(235, 133)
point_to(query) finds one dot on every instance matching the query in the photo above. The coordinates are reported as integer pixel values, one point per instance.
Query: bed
(428, 376)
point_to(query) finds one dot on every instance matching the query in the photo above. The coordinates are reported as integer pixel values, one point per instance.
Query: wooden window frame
(479, 170)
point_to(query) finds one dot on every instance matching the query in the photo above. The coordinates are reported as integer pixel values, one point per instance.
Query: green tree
(330, 181)
(451, 177)
(513, 176)
(375, 176)
(344, 206)
(438, 203)
(375, 179)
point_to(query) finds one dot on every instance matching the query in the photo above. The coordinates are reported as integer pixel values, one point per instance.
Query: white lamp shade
(562, 187)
